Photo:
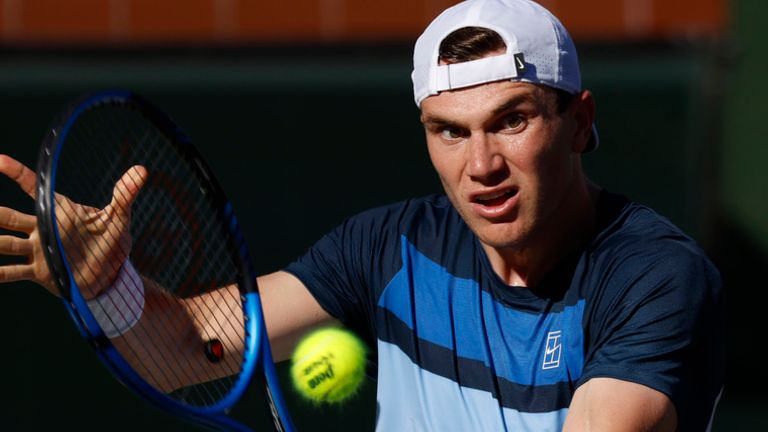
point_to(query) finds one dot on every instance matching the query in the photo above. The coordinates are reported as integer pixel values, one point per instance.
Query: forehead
(487, 99)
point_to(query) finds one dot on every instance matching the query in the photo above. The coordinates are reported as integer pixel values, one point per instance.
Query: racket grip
(120, 306)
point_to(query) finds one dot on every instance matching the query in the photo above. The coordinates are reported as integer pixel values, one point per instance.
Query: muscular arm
(290, 311)
(177, 329)
(166, 345)
(608, 404)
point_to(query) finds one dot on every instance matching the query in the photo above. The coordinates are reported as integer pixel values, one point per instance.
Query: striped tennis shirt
(456, 349)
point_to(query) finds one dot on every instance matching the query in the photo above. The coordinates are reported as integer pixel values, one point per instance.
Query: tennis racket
(151, 264)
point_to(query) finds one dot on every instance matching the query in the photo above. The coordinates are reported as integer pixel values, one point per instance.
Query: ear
(584, 114)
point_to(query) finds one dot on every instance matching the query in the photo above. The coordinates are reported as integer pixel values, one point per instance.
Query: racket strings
(209, 221)
(220, 273)
(210, 224)
(175, 174)
(193, 395)
(206, 261)
(117, 307)
(177, 277)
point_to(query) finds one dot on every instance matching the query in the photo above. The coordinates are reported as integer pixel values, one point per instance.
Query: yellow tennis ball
(328, 365)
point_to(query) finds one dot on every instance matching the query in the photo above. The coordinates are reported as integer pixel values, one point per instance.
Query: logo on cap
(520, 63)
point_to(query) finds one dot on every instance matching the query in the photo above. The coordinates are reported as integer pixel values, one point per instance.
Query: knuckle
(13, 220)
(17, 245)
(12, 246)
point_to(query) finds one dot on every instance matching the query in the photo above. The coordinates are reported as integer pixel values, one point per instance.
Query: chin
(501, 243)
(500, 235)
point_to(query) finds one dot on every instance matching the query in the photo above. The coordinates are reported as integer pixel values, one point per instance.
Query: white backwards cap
(539, 50)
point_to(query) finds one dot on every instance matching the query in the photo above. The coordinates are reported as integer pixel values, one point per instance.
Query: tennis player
(524, 298)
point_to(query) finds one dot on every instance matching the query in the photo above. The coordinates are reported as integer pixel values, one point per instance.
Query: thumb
(128, 187)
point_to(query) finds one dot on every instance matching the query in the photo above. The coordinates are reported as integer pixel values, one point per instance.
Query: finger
(128, 187)
(11, 245)
(17, 221)
(19, 173)
(13, 273)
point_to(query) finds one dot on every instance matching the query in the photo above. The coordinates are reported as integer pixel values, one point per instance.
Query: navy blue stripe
(456, 314)
(472, 373)
(459, 253)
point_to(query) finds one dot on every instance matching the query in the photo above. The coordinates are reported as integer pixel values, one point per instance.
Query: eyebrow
(512, 102)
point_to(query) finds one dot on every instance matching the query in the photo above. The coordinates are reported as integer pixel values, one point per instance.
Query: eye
(513, 122)
(451, 133)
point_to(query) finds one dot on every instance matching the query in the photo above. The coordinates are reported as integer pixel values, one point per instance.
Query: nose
(485, 163)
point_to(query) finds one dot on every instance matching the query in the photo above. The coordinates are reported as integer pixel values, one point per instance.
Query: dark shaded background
(303, 136)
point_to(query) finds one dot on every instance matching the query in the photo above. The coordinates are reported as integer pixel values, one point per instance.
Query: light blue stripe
(412, 399)
(457, 314)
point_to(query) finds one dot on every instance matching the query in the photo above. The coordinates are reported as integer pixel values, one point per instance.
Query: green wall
(745, 151)
(742, 221)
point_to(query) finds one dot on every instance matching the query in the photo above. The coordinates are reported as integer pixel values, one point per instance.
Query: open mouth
(495, 199)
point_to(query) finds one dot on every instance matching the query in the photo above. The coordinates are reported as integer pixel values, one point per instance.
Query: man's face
(507, 159)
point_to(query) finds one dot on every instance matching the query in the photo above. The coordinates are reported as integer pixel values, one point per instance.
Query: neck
(569, 227)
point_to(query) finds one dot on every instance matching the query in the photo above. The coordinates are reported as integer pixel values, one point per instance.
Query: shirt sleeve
(347, 268)
(660, 323)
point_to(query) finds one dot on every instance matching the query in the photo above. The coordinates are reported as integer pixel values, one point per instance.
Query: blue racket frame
(257, 352)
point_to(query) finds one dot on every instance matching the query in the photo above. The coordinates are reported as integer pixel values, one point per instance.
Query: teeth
(491, 196)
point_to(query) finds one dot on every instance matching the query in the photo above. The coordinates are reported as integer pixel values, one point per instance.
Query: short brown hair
(469, 43)
(473, 43)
